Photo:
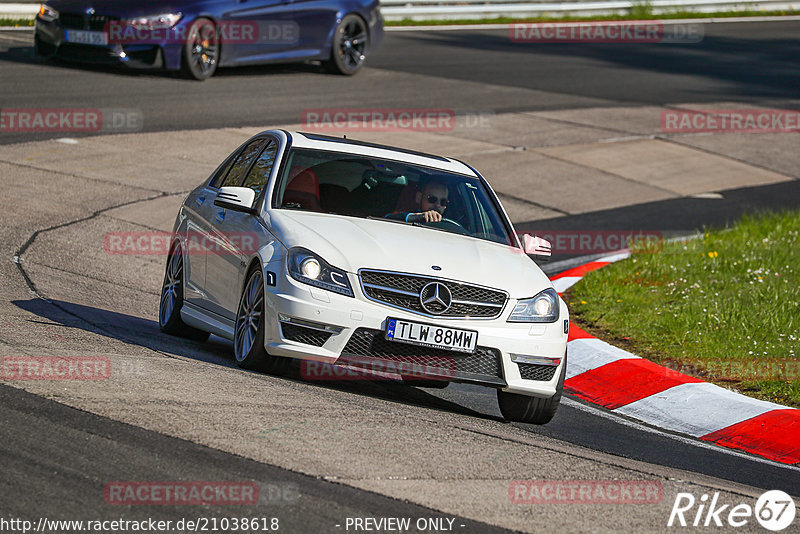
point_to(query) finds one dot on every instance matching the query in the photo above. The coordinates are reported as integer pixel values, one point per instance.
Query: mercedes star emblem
(435, 298)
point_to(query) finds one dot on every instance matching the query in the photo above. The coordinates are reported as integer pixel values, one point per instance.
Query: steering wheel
(451, 221)
(449, 225)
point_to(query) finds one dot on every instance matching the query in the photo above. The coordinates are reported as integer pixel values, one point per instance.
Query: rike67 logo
(774, 510)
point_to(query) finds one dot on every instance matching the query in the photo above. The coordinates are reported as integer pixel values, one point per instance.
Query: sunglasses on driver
(433, 199)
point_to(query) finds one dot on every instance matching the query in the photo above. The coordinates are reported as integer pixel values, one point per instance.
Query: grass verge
(724, 307)
(16, 22)
(638, 12)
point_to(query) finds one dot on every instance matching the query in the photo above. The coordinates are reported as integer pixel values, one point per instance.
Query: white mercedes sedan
(359, 256)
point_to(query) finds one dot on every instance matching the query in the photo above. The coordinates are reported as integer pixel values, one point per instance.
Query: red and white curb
(632, 386)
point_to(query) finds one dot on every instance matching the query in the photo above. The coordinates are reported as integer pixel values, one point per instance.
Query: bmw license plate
(87, 37)
(427, 335)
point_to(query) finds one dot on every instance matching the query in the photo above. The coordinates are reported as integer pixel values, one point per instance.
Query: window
(364, 186)
(242, 163)
(259, 175)
(221, 172)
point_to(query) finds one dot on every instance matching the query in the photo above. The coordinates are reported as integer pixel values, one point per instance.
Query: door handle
(220, 216)
(200, 200)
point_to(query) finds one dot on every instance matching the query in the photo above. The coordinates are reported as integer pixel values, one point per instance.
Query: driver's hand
(432, 216)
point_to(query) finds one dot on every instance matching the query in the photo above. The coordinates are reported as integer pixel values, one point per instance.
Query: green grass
(724, 307)
(16, 22)
(641, 11)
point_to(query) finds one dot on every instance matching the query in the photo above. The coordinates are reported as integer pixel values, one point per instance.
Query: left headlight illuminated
(543, 308)
(308, 268)
(155, 22)
(47, 13)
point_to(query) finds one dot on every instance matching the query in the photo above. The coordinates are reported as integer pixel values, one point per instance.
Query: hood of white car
(352, 243)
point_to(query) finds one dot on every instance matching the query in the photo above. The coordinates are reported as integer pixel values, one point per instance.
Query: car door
(198, 210)
(237, 235)
(254, 30)
(317, 18)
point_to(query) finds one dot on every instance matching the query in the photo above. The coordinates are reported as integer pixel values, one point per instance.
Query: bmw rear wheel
(349, 46)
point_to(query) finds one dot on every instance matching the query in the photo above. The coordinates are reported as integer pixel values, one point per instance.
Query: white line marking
(590, 353)
(689, 441)
(459, 27)
(565, 282)
(696, 408)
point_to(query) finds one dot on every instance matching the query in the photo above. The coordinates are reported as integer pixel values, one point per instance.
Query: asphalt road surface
(468, 71)
(56, 459)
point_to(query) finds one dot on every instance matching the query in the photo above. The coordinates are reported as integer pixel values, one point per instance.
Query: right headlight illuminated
(156, 22)
(543, 308)
(47, 13)
(305, 266)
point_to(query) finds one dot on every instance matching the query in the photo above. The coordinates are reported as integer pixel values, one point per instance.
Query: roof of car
(342, 144)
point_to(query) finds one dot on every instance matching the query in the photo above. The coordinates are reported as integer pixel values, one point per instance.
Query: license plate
(427, 335)
(86, 37)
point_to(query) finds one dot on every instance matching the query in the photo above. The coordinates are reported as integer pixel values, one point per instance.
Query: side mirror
(536, 246)
(236, 198)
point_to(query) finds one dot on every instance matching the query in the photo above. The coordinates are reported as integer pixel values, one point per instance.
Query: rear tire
(348, 47)
(534, 410)
(248, 341)
(169, 311)
(200, 55)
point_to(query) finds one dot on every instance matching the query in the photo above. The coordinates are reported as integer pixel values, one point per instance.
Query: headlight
(155, 22)
(305, 266)
(47, 13)
(543, 308)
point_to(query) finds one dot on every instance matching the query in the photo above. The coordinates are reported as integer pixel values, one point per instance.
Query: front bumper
(51, 41)
(314, 324)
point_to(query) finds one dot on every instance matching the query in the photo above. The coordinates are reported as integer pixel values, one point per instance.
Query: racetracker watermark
(75, 120)
(278, 32)
(436, 369)
(596, 241)
(736, 370)
(731, 121)
(181, 493)
(585, 492)
(153, 243)
(55, 368)
(379, 119)
(629, 31)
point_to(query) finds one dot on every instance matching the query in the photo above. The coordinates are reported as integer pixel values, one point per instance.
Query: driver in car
(431, 202)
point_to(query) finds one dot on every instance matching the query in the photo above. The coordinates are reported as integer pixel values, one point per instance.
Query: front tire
(248, 340)
(534, 410)
(200, 55)
(169, 310)
(349, 46)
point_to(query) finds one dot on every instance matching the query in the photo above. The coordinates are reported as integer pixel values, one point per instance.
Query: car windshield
(367, 187)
